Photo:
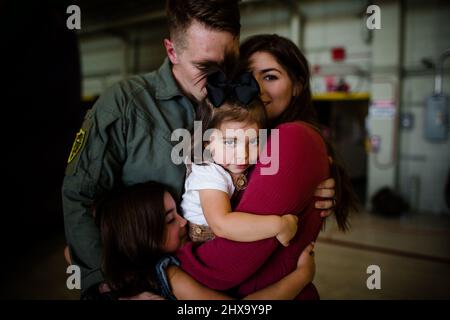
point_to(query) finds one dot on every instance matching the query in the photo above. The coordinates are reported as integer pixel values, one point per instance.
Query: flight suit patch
(77, 146)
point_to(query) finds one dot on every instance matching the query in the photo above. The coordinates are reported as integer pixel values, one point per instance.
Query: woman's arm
(184, 287)
(241, 226)
(291, 285)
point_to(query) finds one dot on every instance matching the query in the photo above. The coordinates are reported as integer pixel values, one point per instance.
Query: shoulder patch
(77, 145)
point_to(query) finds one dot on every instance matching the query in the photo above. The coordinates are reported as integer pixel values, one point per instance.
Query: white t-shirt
(207, 176)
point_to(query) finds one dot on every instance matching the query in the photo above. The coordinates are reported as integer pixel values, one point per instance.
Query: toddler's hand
(288, 229)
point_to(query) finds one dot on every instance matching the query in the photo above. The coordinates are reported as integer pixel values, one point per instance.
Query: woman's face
(175, 226)
(276, 86)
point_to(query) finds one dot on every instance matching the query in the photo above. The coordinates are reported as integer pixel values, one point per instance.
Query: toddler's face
(234, 145)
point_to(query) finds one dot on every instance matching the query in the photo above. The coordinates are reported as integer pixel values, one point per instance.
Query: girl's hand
(288, 229)
(306, 262)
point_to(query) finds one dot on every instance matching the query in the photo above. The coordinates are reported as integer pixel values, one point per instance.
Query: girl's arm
(184, 287)
(241, 226)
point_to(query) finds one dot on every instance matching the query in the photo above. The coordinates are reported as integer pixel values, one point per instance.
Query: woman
(140, 225)
(283, 75)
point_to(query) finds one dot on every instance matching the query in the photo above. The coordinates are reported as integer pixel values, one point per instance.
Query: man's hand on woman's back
(326, 191)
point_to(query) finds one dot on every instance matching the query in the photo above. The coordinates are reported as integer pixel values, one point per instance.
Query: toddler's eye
(229, 142)
(253, 141)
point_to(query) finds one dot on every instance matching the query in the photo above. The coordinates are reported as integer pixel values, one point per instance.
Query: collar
(166, 87)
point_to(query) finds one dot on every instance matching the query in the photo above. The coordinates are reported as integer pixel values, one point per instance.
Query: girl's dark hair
(289, 56)
(132, 226)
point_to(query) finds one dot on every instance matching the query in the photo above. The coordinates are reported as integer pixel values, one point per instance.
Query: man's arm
(326, 191)
(94, 164)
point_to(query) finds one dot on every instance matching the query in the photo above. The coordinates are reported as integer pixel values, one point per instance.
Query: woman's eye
(170, 221)
(270, 77)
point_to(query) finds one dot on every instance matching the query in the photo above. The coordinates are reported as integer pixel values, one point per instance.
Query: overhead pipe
(438, 79)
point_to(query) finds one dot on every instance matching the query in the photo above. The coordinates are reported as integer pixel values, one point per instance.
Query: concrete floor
(412, 253)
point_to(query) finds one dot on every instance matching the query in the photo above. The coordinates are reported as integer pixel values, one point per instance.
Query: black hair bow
(244, 89)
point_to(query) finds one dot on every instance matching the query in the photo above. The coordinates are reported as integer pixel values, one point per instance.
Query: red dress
(246, 267)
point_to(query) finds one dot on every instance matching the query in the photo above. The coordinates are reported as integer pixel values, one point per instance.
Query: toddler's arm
(242, 226)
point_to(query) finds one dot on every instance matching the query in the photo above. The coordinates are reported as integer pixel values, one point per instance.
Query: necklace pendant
(241, 182)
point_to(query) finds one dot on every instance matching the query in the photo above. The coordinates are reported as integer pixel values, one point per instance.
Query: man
(125, 138)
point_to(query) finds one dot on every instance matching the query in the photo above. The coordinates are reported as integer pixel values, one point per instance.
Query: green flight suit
(124, 140)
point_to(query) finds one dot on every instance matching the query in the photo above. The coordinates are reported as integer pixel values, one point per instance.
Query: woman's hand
(306, 262)
(326, 190)
(288, 229)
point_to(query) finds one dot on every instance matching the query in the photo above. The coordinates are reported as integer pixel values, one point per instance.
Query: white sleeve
(210, 176)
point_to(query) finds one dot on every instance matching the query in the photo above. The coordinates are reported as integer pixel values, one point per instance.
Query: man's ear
(170, 50)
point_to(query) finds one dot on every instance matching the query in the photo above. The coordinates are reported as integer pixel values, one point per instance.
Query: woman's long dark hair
(132, 226)
(288, 55)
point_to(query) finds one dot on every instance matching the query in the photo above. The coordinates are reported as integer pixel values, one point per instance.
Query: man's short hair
(222, 15)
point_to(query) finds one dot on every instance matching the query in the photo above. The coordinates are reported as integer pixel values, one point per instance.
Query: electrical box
(436, 118)
(407, 120)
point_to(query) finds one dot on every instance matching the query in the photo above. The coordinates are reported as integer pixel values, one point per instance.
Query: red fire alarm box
(338, 54)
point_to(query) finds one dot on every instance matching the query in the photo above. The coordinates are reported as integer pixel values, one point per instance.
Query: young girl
(231, 116)
(140, 227)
